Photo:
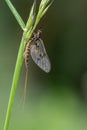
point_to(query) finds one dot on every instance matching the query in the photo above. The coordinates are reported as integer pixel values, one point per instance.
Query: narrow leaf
(45, 10)
(31, 18)
(16, 14)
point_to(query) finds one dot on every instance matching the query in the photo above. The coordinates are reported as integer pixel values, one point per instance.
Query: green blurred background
(58, 100)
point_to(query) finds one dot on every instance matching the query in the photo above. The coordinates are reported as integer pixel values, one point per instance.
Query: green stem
(16, 15)
(14, 83)
(18, 66)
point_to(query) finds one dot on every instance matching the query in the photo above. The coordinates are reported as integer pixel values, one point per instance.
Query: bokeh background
(54, 101)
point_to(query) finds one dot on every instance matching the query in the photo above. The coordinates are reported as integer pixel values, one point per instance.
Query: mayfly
(36, 48)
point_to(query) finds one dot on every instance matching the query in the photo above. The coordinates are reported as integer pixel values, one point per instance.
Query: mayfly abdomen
(26, 54)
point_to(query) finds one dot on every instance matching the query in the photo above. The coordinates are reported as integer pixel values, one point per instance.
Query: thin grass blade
(31, 18)
(16, 14)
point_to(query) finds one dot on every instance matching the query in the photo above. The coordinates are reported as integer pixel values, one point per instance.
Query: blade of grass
(18, 66)
(14, 84)
(43, 7)
(45, 10)
(31, 19)
(16, 14)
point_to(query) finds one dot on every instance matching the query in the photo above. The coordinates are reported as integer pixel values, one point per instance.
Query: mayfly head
(36, 35)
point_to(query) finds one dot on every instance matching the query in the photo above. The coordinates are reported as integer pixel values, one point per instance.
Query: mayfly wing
(39, 55)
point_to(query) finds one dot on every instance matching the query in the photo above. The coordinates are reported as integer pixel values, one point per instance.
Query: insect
(38, 53)
(36, 48)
